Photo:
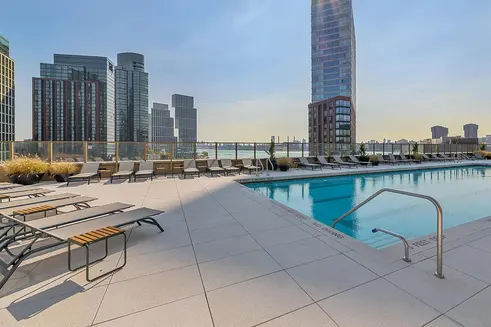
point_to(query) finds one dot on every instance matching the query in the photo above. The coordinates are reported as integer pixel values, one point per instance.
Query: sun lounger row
(83, 227)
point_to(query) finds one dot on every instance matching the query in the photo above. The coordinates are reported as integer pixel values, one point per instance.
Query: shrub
(417, 156)
(284, 162)
(415, 148)
(374, 158)
(62, 168)
(363, 150)
(483, 147)
(25, 166)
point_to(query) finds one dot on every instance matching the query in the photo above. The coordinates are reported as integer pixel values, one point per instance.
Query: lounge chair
(39, 199)
(355, 160)
(124, 159)
(79, 159)
(305, 163)
(98, 159)
(404, 161)
(138, 158)
(444, 156)
(323, 162)
(214, 167)
(27, 193)
(189, 168)
(425, 157)
(19, 189)
(145, 170)
(9, 186)
(227, 165)
(247, 164)
(65, 219)
(465, 157)
(88, 171)
(340, 161)
(125, 171)
(79, 202)
(403, 157)
(82, 234)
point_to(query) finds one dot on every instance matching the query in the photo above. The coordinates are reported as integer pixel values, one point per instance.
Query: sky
(247, 62)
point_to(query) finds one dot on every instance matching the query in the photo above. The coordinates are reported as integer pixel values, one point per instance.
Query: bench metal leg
(152, 221)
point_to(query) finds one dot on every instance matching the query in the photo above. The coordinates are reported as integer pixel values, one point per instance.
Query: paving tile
(327, 277)
(443, 321)
(473, 312)
(192, 311)
(61, 310)
(377, 304)
(260, 221)
(237, 268)
(151, 263)
(469, 260)
(311, 315)
(300, 252)
(442, 294)
(483, 244)
(335, 244)
(225, 248)
(255, 301)
(280, 236)
(145, 292)
(217, 233)
(207, 221)
(142, 242)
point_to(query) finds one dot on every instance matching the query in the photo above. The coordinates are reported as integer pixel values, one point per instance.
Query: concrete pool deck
(232, 257)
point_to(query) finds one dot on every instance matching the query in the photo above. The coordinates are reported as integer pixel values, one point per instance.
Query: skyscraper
(439, 131)
(332, 113)
(73, 100)
(7, 98)
(161, 125)
(186, 117)
(470, 131)
(131, 98)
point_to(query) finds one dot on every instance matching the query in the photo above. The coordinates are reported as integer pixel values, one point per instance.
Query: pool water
(463, 192)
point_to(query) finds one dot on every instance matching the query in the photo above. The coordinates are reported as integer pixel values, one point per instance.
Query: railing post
(288, 149)
(145, 144)
(50, 151)
(85, 151)
(194, 151)
(254, 152)
(12, 153)
(303, 149)
(383, 148)
(116, 152)
(216, 150)
(235, 152)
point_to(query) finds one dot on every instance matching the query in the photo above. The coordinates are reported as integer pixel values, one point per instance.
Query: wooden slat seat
(96, 235)
(27, 211)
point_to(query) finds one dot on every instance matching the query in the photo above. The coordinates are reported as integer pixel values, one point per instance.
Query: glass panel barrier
(101, 151)
(205, 150)
(245, 150)
(5, 151)
(158, 151)
(32, 149)
(131, 150)
(183, 150)
(71, 151)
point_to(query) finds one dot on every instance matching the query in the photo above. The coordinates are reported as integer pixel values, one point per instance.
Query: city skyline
(415, 65)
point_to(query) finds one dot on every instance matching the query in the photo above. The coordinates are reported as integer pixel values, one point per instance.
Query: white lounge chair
(247, 164)
(227, 165)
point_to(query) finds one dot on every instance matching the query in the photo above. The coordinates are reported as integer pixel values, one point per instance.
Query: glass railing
(76, 151)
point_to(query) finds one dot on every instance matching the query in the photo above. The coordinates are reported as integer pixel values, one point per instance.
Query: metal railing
(84, 151)
(402, 238)
(439, 219)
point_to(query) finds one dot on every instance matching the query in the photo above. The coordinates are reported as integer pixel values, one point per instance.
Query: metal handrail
(404, 241)
(439, 224)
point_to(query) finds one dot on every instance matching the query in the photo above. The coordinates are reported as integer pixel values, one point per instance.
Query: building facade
(333, 44)
(162, 124)
(186, 117)
(132, 123)
(73, 100)
(332, 125)
(438, 132)
(470, 131)
(7, 98)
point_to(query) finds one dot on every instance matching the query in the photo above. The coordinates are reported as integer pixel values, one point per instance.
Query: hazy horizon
(247, 63)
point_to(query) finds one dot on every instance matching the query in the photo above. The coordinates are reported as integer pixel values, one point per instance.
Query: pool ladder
(439, 225)
(262, 166)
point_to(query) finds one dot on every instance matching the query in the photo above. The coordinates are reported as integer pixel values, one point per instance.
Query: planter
(28, 179)
(275, 165)
(374, 163)
(364, 158)
(62, 178)
(284, 167)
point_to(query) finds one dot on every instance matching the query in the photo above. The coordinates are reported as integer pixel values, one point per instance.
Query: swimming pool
(463, 192)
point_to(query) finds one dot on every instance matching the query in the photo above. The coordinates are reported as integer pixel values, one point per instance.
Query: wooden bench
(89, 238)
(24, 212)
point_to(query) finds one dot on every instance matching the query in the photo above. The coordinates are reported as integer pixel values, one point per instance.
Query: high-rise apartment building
(438, 132)
(162, 124)
(186, 117)
(470, 131)
(7, 98)
(333, 74)
(132, 122)
(73, 100)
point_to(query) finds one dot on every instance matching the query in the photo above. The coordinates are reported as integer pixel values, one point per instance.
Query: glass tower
(132, 122)
(7, 98)
(333, 50)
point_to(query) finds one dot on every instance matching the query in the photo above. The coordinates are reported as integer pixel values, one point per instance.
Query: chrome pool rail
(404, 241)
(439, 221)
